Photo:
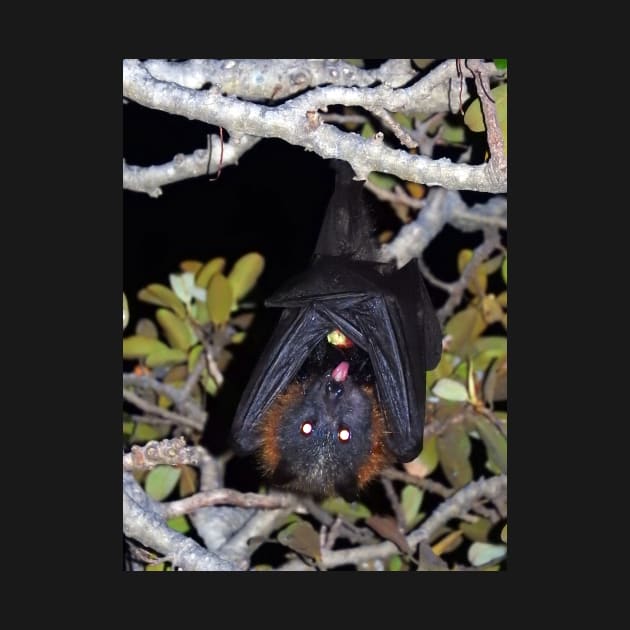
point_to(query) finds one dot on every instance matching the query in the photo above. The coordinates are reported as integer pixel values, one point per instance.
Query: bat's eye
(344, 435)
(306, 428)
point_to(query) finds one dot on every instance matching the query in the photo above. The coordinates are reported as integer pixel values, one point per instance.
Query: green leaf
(356, 62)
(453, 446)
(216, 265)
(504, 533)
(495, 346)
(474, 116)
(403, 120)
(128, 427)
(479, 281)
(454, 135)
(220, 298)
(449, 389)
(352, 511)
(188, 481)
(245, 274)
(501, 64)
(477, 531)
(410, 501)
(464, 328)
(382, 180)
(395, 563)
(481, 553)
(193, 355)
(238, 337)
(504, 270)
(166, 356)
(301, 537)
(444, 368)
(429, 456)
(179, 524)
(209, 384)
(177, 332)
(495, 383)
(137, 347)
(161, 481)
(495, 442)
(367, 131)
(158, 566)
(125, 311)
(145, 432)
(162, 296)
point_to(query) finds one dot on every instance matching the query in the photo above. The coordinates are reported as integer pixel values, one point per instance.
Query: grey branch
(175, 418)
(227, 496)
(170, 452)
(270, 79)
(150, 179)
(297, 122)
(148, 528)
(215, 524)
(453, 507)
(196, 417)
(441, 207)
(258, 527)
(491, 241)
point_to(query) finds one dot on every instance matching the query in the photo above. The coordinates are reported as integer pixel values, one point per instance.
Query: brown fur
(269, 455)
(379, 456)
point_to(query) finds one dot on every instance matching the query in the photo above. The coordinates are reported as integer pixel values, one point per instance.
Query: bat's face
(325, 434)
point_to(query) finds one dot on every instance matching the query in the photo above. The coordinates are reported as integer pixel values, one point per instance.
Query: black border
(77, 266)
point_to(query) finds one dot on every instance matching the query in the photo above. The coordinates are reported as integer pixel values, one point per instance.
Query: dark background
(272, 202)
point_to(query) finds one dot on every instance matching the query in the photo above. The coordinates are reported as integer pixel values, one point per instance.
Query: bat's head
(325, 434)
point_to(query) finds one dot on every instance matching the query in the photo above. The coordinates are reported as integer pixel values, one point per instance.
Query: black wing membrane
(386, 311)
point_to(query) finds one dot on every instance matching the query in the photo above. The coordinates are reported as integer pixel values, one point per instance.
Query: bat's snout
(334, 389)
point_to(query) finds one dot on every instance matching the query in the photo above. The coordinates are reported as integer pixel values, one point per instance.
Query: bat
(338, 393)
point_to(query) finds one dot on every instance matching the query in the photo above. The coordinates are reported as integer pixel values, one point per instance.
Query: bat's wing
(383, 310)
(394, 322)
(297, 333)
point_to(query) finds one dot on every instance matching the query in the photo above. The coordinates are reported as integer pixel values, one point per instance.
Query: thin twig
(182, 402)
(490, 243)
(394, 502)
(420, 482)
(176, 418)
(397, 196)
(395, 127)
(226, 496)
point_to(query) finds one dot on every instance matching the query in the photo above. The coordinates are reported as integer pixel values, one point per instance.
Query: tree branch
(150, 179)
(458, 504)
(149, 529)
(297, 122)
(170, 452)
(175, 418)
(225, 496)
(490, 243)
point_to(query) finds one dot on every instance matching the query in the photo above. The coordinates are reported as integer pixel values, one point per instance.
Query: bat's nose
(334, 389)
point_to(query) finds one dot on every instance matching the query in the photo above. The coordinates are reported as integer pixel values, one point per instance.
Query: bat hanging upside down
(339, 391)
